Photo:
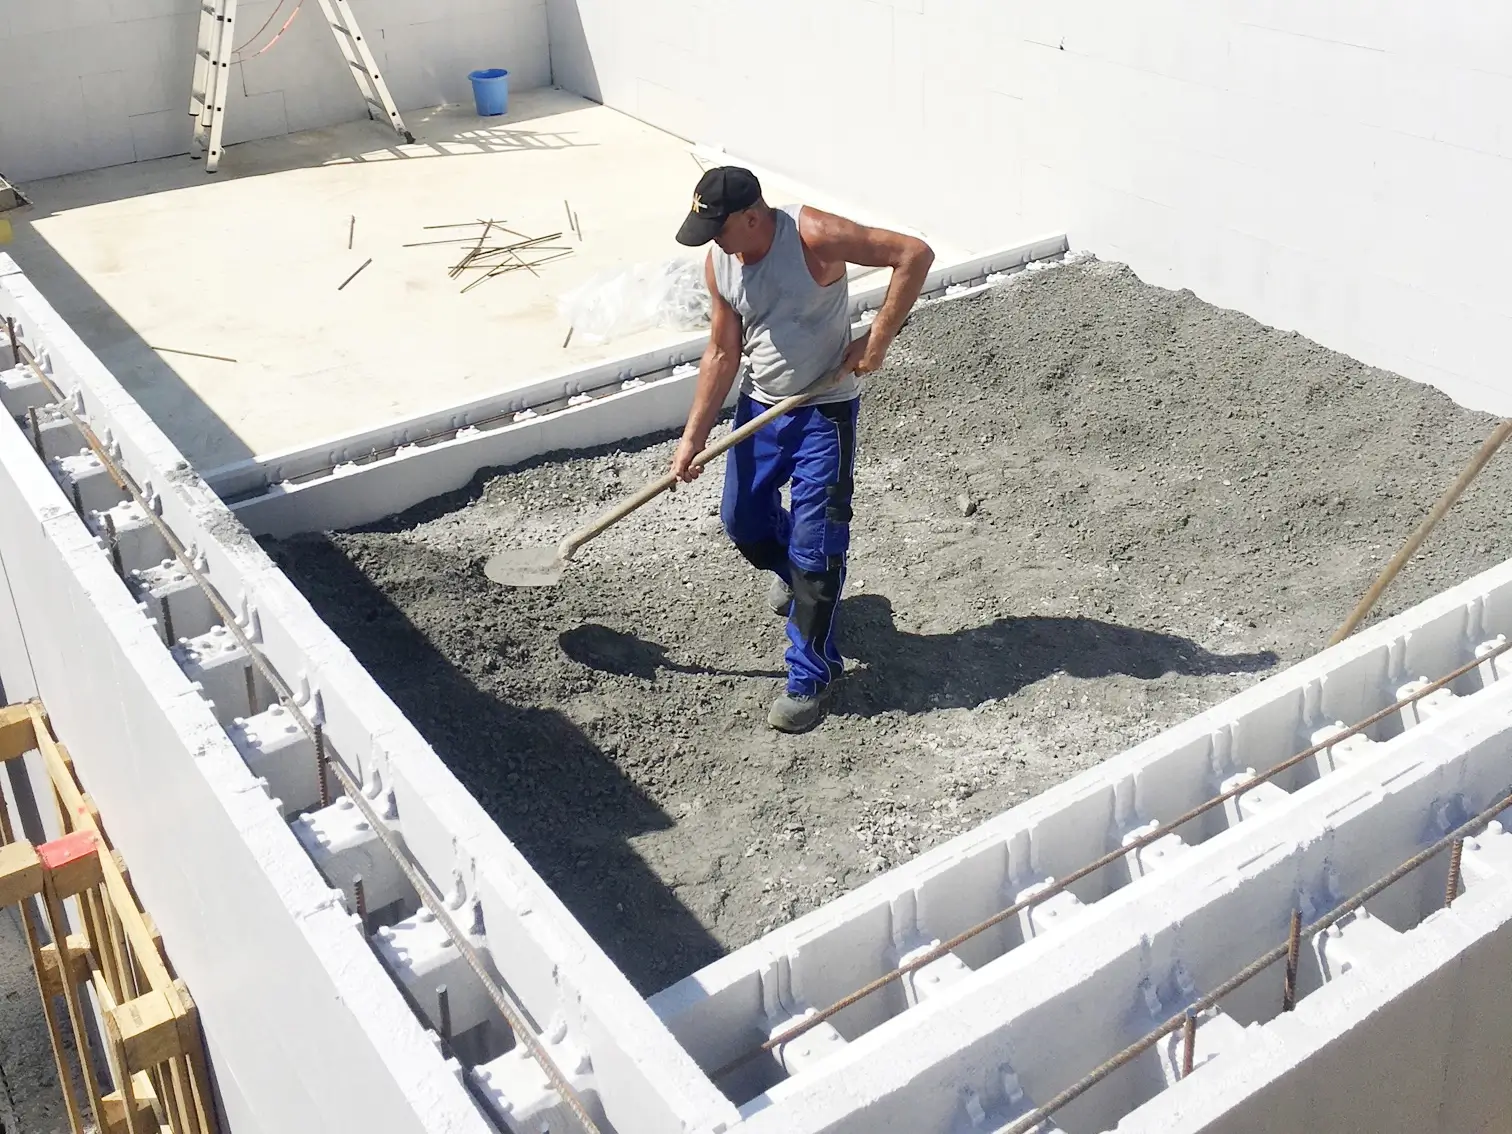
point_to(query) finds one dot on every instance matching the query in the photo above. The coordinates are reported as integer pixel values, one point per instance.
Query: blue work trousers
(812, 450)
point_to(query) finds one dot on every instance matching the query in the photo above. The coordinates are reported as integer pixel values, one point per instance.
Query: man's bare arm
(716, 373)
(838, 241)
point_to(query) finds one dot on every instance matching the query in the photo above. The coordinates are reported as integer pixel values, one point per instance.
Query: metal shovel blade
(525, 567)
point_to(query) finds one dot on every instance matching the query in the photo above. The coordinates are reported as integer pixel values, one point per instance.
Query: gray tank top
(796, 332)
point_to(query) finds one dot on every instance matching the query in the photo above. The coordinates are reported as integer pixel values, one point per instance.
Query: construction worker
(778, 283)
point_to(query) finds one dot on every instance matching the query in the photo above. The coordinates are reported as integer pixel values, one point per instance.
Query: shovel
(543, 566)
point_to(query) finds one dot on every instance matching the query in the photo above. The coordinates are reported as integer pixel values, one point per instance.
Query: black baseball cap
(721, 193)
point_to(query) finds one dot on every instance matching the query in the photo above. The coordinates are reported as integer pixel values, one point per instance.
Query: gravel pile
(1086, 509)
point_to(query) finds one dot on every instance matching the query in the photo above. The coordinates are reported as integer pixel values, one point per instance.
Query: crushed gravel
(1086, 509)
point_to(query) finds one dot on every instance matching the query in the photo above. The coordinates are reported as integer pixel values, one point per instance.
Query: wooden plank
(115, 1112)
(20, 872)
(51, 968)
(143, 947)
(58, 925)
(17, 736)
(148, 1028)
(72, 864)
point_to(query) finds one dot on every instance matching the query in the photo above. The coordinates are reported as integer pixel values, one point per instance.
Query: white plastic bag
(625, 300)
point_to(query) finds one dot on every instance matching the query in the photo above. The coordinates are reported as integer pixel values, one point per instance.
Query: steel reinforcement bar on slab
(1097, 864)
(501, 998)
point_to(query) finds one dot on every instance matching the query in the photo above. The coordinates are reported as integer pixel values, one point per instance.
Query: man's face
(737, 235)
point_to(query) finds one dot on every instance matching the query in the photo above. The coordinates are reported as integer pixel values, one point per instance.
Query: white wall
(1338, 169)
(91, 83)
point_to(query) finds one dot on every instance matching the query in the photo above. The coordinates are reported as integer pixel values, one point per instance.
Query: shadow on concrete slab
(560, 799)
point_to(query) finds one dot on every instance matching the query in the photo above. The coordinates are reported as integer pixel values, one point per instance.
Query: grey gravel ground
(1086, 509)
(31, 1101)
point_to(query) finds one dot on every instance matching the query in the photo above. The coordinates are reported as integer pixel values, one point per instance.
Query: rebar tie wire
(934, 954)
(513, 1012)
(1028, 1121)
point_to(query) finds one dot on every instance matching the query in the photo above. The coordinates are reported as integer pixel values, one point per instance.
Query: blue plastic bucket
(490, 91)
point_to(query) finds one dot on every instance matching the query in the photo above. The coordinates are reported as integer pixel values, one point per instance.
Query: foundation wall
(1301, 163)
(1050, 1015)
(87, 84)
(208, 842)
(292, 1001)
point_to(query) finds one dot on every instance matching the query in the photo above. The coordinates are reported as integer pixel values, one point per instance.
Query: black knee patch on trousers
(816, 594)
(767, 556)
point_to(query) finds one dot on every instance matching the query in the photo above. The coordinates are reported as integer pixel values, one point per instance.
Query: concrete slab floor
(158, 257)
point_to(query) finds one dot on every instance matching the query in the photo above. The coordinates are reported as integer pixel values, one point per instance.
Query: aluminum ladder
(212, 74)
(354, 50)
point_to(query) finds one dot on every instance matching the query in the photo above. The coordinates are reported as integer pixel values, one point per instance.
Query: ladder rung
(356, 65)
(343, 30)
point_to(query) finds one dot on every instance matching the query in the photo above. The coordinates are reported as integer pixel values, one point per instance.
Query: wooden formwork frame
(153, 1047)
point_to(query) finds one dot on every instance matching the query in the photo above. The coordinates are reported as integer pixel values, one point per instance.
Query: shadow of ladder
(212, 72)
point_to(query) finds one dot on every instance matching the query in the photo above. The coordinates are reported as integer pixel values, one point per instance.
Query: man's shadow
(914, 673)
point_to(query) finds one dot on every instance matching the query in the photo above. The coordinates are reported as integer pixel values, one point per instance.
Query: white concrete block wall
(1050, 1014)
(1310, 165)
(91, 84)
(281, 978)
(645, 1082)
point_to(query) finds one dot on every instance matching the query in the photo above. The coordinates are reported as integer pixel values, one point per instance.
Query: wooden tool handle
(569, 546)
(1409, 549)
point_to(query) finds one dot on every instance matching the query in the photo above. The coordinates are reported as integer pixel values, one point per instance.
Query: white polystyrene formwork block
(344, 847)
(933, 978)
(169, 586)
(20, 389)
(520, 1095)
(1494, 669)
(1487, 857)
(1264, 796)
(279, 752)
(216, 661)
(1154, 855)
(1354, 940)
(86, 482)
(424, 959)
(1415, 713)
(1217, 1034)
(55, 435)
(137, 537)
(809, 1049)
(1347, 751)
(1054, 913)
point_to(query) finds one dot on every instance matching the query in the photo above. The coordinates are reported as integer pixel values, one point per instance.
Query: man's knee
(764, 555)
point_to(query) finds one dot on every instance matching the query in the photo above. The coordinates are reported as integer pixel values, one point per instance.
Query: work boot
(780, 597)
(794, 712)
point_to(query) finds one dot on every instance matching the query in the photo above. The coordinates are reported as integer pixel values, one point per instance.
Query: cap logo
(698, 205)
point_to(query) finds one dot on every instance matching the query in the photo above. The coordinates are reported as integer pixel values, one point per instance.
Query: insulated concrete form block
(209, 853)
(1053, 1015)
(1408, 1038)
(276, 750)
